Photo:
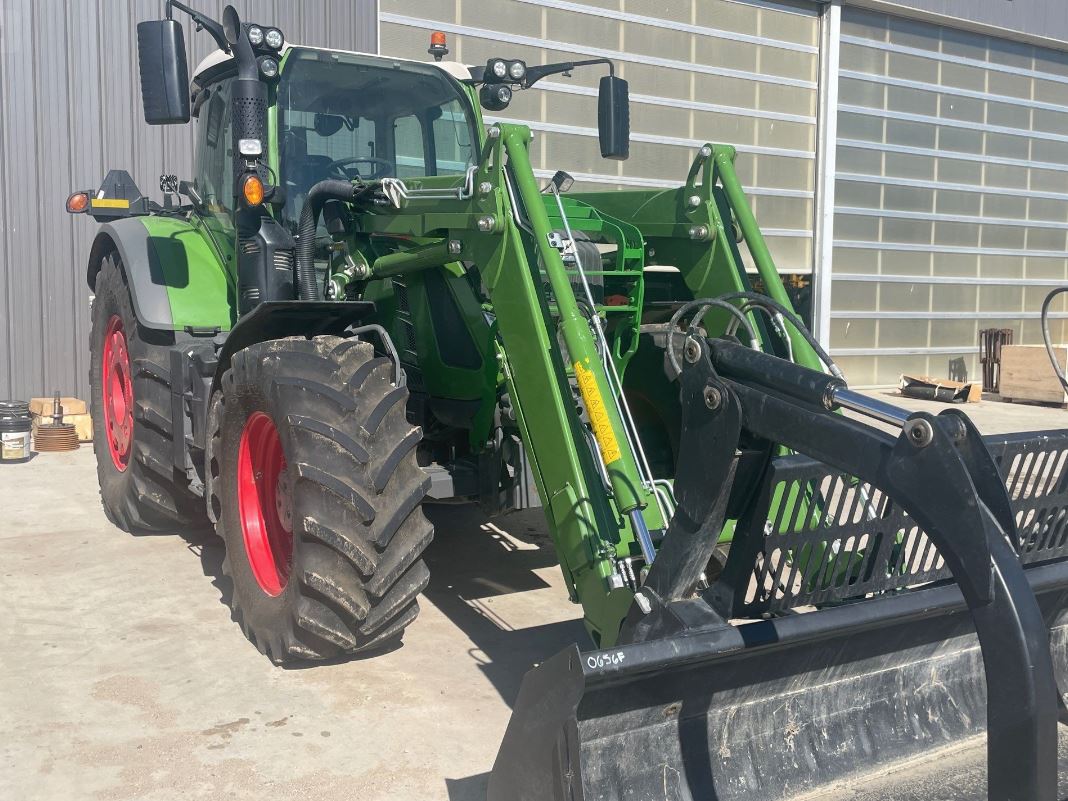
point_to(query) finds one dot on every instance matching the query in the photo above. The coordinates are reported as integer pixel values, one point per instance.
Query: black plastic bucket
(15, 427)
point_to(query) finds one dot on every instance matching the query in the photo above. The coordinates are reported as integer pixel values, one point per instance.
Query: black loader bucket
(886, 602)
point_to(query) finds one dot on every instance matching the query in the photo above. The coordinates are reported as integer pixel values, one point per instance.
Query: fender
(287, 318)
(176, 280)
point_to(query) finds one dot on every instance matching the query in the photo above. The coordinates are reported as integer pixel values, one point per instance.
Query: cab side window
(409, 146)
(214, 159)
(452, 139)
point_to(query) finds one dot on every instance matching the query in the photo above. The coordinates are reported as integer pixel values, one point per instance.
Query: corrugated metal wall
(71, 110)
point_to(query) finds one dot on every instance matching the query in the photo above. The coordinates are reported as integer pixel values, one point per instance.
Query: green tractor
(364, 300)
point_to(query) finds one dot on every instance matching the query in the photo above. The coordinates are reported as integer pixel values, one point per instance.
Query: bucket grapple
(885, 596)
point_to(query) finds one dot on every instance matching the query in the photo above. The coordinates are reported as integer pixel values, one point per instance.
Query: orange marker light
(438, 48)
(252, 190)
(77, 202)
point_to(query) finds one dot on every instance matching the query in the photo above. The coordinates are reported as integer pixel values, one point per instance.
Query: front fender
(176, 280)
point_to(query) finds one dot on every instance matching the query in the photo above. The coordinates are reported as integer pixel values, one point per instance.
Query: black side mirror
(164, 73)
(613, 118)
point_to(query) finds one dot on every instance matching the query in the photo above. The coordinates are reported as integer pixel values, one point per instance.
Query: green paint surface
(197, 285)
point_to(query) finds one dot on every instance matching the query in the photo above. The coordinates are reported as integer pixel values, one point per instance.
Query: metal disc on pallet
(56, 437)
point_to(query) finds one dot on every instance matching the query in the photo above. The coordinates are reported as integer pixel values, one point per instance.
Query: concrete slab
(990, 415)
(122, 676)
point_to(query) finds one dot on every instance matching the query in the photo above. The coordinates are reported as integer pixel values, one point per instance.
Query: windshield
(348, 117)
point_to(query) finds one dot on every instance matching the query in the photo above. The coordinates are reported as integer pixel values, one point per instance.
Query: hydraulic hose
(330, 189)
(704, 304)
(1046, 337)
(754, 299)
(794, 320)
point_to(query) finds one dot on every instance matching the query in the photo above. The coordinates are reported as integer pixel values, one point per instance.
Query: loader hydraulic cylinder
(615, 449)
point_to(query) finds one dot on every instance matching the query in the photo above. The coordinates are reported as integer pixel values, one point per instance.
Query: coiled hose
(330, 189)
(1046, 338)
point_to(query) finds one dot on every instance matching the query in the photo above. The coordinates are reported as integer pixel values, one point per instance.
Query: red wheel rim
(117, 398)
(263, 503)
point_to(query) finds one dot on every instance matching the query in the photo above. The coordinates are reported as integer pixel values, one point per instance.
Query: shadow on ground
(470, 788)
(471, 561)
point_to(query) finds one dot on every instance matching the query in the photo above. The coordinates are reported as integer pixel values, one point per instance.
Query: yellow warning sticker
(110, 203)
(595, 408)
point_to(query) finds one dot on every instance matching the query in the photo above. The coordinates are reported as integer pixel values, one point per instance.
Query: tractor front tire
(130, 402)
(317, 496)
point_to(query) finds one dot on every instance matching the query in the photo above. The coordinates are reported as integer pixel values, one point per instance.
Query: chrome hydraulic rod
(645, 540)
(869, 407)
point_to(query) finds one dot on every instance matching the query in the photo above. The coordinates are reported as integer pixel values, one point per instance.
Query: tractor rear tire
(130, 402)
(317, 496)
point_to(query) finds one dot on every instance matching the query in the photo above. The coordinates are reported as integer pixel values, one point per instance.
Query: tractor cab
(342, 116)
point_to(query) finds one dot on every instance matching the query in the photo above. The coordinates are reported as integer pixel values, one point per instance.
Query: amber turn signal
(252, 190)
(77, 203)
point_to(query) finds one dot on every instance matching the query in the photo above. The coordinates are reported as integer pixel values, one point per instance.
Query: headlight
(498, 68)
(495, 97)
(250, 147)
(268, 67)
(516, 70)
(255, 35)
(274, 38)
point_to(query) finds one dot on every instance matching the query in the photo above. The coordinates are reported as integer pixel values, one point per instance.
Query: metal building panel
(1033, 18)
(72, 110)
(21, 262)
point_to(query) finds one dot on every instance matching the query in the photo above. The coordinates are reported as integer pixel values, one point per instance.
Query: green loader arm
(597, 503)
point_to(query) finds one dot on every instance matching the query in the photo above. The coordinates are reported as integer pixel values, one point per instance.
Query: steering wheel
(382, 168)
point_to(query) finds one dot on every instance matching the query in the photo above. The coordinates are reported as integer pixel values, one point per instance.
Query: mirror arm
(207, 23)
(186, 188)
(536, 73)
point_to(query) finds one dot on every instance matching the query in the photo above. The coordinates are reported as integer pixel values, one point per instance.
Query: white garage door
(951, 194)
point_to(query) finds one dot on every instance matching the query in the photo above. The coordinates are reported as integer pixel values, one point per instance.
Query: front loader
(364, 300)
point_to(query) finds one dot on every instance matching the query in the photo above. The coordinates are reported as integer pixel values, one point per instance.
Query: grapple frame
(898, 578)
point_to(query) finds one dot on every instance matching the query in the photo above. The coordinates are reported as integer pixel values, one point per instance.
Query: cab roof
(459, 71)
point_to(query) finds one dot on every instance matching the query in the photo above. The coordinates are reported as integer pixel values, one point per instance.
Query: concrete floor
(990, 415)
(122, 676)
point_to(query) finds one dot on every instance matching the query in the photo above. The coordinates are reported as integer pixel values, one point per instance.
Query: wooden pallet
(1033, 402)
(1028, 377)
